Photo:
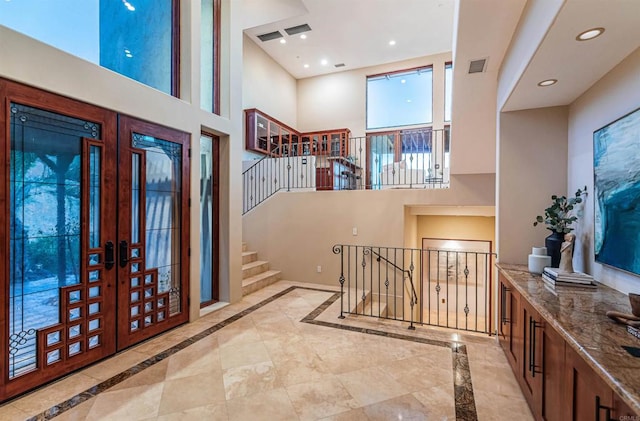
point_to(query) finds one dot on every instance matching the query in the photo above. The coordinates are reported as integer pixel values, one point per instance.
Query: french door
(94, 240)
(153, 221)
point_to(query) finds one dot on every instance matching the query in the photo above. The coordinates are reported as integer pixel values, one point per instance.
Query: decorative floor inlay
(465, 407)
(463, 388)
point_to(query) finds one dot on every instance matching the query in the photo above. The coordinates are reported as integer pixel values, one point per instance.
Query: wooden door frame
(15, 92)
(215, 228)
(126, 127)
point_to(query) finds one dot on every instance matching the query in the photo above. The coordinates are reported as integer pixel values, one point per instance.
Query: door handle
(124, 253)
(109, 258)
(607, 411)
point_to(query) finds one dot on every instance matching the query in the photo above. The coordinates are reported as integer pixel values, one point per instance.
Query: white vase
(538, 260)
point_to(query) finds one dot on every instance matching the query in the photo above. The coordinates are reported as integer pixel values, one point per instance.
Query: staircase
(372, 306)
(256, 273)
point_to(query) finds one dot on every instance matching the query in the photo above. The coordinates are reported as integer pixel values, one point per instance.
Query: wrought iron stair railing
(410, 159)
(445, 288)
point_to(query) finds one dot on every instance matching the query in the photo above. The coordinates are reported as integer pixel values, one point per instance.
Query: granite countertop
(579, 315)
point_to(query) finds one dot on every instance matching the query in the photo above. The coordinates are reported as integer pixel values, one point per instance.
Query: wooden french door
(67, 271)
(153, 228)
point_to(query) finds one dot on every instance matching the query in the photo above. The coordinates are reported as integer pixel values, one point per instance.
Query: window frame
(447, 64)
(394, 73)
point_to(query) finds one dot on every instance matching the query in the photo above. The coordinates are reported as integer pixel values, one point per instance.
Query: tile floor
(282, 354)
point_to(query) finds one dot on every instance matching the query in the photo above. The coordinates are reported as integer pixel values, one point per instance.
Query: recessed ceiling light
(306, 66)
(303, 36)
(324, 62)
(590, 34)
(403, 81)
(283, 41)
(548, 82)
(408, 100)
(392, 42)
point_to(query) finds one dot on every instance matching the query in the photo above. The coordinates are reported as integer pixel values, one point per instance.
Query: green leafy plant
(559, 216)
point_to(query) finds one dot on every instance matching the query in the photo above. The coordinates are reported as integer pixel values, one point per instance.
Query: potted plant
(559, 217)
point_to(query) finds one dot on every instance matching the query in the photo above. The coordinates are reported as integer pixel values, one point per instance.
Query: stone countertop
(579, 315)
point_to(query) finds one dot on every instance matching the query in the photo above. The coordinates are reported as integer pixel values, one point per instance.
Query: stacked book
(555, 277)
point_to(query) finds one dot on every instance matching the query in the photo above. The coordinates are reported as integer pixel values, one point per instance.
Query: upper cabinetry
(267, 135)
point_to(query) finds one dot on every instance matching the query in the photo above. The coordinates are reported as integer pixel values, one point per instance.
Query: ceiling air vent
(478, 66)
(298, 29)
(269, 36)
(339, 65)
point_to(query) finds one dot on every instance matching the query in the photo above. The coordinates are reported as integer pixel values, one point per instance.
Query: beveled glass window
(136, 38)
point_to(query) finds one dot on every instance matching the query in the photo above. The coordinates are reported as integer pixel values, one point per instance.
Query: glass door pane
(153, 238)
(57, 263)
(380, 160)
(208, 222)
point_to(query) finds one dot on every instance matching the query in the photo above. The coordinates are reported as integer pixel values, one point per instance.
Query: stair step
(244, 246)
(259, 281)
(249, 256)
(372, 306)
(254, 268)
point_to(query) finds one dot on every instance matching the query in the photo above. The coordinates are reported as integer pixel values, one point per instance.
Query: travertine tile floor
(268, 364)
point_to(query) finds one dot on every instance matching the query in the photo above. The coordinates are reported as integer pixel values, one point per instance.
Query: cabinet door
(504, 323)
(621, 409)
(588, 396)
(532, 357)
(274, 139)
(552, 347)
(514, 329)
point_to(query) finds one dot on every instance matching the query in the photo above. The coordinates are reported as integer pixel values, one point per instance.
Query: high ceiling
(353, 32)
(357, 33)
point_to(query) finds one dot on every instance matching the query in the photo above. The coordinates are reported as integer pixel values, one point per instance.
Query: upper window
(448, 82)
(136, 38)
(210, 56)
(400, 98)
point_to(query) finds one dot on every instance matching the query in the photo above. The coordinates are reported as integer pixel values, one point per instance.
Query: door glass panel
(135, 198)
(94, 196)
(381, 159)
(206, 219)
(163, 190)
(45, 209)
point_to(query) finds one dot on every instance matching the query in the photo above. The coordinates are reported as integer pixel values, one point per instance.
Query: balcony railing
(444, 288)
(412, 159)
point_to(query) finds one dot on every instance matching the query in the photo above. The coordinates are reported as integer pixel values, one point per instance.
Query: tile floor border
(463, 389)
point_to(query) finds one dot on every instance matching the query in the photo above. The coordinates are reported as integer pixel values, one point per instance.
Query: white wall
(338, 100)
(36, 64)
(267, 86)
(615, 95)
(532, 166)
(295, 231)
(537, 18)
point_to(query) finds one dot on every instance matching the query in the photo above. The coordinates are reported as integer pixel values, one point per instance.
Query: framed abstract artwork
(616, 167)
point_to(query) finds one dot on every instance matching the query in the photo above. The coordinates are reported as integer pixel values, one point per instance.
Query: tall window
(210, 56)
(208, 219)
(400, 98)
(448, 82)
(136, 38)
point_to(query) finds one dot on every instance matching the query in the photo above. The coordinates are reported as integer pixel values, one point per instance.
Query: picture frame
(616, 180)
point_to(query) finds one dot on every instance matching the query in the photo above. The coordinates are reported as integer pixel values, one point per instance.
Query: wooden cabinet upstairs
(266, 135)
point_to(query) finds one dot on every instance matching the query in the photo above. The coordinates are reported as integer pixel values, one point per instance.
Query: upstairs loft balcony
(332, 160)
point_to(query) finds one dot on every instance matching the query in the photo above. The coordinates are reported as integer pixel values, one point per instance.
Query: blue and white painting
(616, 155)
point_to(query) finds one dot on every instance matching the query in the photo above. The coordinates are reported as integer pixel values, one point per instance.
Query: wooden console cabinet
(556, 381)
